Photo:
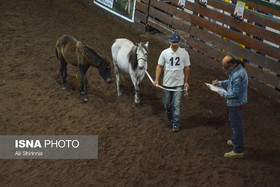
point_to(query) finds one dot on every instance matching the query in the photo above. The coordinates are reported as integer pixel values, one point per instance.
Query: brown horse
(69, 50)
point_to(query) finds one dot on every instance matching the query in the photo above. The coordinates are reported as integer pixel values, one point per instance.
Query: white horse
(132, 59)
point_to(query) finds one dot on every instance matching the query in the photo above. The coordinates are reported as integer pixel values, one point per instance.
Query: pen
(216, 81)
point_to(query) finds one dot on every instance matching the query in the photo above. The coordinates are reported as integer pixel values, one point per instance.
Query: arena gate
(210, 32)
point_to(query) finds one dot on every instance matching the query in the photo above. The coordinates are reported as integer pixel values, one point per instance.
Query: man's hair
(236, 61)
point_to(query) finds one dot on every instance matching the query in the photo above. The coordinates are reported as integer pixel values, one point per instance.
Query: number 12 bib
(174, 60)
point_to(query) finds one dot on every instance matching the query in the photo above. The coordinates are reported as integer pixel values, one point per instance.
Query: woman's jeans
(172, 103)
(235, 119)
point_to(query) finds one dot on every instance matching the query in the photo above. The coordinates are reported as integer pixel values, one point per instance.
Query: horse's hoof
(63, 86)
(137, 101)
(85, 100)
(119, 94)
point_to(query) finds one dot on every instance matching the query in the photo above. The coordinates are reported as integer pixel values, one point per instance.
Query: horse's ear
(146, 45)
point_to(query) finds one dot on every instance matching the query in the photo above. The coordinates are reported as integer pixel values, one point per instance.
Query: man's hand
(156, 83)
(215, 82)
(219, 92)
(186, 85)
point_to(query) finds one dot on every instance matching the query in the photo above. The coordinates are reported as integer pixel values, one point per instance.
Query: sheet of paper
(215, 88)
(239, 10)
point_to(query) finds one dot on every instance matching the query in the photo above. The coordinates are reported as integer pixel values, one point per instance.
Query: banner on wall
(202, 2)
(239, 10)
(122, 8)
(181, 3)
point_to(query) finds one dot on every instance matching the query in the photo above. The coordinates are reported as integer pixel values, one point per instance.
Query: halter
(142, 59)
(145, 49)
(145, 60)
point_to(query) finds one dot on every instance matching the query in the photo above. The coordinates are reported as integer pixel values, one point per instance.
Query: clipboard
(215, 88)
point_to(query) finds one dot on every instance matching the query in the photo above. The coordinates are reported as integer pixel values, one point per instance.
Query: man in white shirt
(175, 61)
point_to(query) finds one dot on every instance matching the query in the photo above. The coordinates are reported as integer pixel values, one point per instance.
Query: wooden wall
(209, 33)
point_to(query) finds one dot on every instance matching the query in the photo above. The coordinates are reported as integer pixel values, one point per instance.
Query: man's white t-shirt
(174, 64)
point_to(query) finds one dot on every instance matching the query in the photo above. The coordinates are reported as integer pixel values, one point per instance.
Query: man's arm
(223, 84)
(158, 72)
(233, 93)
(187, 74)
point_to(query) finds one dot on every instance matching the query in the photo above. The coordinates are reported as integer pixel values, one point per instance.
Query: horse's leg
(137, 91)
(138, 82)
(63, 71)
(135, 81)
(117, 79)
(137, 88)
(84, 82)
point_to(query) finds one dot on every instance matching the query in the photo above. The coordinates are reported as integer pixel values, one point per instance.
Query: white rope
(172, 90)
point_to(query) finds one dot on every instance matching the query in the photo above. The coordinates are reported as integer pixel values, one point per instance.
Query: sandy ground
(136, 148)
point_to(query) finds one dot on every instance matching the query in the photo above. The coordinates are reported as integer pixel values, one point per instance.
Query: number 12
(177, 63)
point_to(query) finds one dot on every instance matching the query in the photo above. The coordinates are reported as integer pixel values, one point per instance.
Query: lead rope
(172, 90)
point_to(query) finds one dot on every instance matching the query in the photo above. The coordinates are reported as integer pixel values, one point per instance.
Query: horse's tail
(114, 52)
(56, 53)
(59, 57)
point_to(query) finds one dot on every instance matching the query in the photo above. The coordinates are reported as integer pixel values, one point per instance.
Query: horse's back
(66, 40)
(122, 44)
(120, 50)
(66, 46)
(123, 41)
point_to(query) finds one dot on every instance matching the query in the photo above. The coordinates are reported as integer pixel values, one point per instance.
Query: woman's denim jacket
(236, 86)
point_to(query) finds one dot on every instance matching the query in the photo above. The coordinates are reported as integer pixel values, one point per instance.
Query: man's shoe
(229, 142)
(232, 154)
(175, 127)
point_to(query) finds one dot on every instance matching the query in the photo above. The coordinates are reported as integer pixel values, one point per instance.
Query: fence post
(147, 16)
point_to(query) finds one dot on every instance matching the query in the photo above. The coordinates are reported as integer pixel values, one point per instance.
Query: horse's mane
(144, 46)
(133, 57)
(88, 54)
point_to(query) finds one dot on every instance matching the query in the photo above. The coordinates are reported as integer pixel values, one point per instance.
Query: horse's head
(142, 54)
(105, 70)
